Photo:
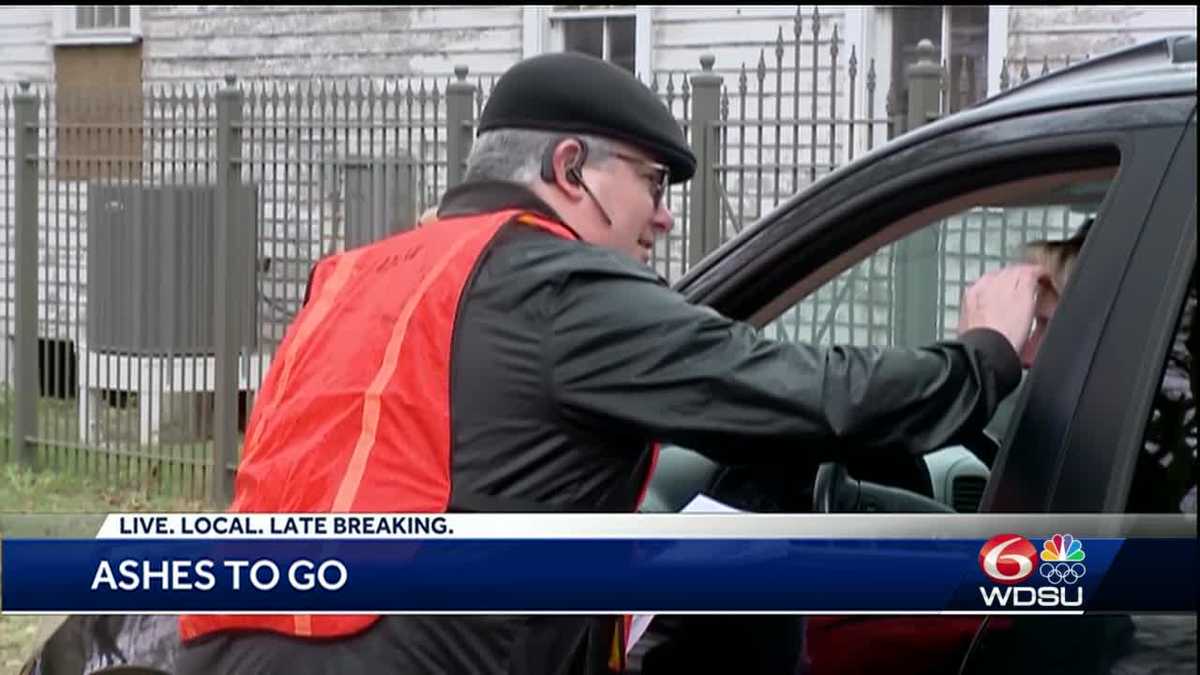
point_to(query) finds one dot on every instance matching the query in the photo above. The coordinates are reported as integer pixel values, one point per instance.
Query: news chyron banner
(597, 563)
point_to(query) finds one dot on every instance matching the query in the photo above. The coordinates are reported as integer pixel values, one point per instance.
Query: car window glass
(908, 292)
(1164, 479)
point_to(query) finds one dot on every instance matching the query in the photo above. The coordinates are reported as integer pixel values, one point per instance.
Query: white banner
(705, 525)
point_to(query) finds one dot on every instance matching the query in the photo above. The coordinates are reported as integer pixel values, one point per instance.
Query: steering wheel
(835, 490)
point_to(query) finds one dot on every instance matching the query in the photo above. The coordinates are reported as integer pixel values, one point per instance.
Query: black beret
(577, 93)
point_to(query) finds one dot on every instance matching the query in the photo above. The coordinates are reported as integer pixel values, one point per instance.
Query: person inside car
(1057, 258)
(936, 644)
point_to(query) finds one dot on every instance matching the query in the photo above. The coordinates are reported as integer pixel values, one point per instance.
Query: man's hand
(1004, 301)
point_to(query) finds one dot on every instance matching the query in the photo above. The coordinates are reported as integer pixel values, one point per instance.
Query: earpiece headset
(574, 173)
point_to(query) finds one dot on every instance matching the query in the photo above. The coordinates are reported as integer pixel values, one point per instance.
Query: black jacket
(568, 360)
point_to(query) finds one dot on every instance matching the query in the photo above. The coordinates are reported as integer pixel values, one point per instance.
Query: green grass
(25, 491)
(111, 473)
(179, 465)
(47, 491)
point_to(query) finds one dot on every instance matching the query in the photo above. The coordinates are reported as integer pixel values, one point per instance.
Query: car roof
(1152, 66)
(1162, 67)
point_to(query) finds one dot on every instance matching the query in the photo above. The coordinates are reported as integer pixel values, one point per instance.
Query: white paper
(703, 504)
(699, 504)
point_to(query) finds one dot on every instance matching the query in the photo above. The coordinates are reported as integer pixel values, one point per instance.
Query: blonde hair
(1057, 257)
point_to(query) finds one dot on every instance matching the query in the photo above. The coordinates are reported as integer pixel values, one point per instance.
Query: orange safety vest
(354, 413)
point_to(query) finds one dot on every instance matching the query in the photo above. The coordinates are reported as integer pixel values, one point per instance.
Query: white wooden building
(124, 45)
(181, 43)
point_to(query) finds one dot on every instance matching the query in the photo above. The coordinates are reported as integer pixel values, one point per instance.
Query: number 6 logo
(1008, 558)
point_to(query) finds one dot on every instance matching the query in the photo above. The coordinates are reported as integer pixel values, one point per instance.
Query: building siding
(25, 44)
(188, 43)
(1053, 32)
(735, 36)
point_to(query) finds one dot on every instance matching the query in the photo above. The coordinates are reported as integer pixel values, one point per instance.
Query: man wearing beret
(515, 353)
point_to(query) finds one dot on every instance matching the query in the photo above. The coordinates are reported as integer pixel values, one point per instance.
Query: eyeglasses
(658, 182)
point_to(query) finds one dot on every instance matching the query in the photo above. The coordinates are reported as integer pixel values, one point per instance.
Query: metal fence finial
(705, 99)
(926, 52)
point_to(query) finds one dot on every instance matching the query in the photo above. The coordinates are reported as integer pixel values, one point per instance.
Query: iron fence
(775, 141)
(7, 278)
(1017, 71)
(164, 242)
(156, 242)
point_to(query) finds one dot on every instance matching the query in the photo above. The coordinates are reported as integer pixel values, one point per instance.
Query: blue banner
(1005, 573)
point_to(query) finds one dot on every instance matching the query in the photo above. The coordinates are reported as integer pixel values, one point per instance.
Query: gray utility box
(380, 199)
(150, 268)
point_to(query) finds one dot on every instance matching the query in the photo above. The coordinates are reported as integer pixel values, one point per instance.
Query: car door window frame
(1133, 347)
(857, 201)
(877, 194)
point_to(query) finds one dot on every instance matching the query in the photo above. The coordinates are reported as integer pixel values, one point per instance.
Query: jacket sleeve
(625, 353)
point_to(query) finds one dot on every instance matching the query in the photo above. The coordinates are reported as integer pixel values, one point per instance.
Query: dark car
(878, 253)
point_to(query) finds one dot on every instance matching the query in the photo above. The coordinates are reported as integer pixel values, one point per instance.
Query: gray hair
(516, 154)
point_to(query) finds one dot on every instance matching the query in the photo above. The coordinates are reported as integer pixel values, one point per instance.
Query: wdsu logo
(1009, 559)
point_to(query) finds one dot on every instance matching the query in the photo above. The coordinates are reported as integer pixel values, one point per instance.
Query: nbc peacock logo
(1009, 559)
(1062, 560)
